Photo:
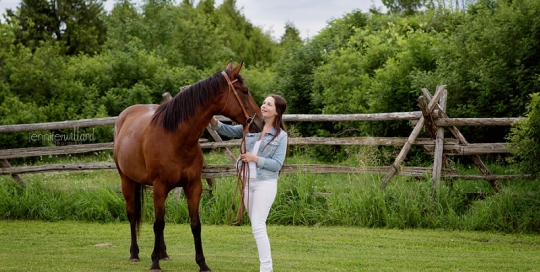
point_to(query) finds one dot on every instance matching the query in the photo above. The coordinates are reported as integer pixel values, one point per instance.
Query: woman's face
(268, 108)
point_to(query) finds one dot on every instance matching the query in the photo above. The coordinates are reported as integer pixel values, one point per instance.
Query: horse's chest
(185, 169)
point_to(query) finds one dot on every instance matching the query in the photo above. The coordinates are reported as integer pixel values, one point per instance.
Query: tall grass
(302, 199)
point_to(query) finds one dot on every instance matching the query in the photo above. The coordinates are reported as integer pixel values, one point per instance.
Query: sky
(308, 16)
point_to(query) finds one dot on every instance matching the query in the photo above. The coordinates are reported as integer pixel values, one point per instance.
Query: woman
(265, 155)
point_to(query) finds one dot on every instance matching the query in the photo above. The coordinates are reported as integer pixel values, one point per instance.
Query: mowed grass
(72, 246)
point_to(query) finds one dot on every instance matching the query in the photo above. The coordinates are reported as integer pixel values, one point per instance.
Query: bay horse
(158, 146)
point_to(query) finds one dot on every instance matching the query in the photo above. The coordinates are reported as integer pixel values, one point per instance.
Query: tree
(76, 24)
(247, 41)
(408, 7)
(291, 35)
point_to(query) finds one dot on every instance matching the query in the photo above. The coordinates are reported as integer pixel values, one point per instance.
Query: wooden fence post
(437, 134)
(440, 160)
(403, 153)
(475, 158)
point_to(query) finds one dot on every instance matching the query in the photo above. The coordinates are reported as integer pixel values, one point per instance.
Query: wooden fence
(432, 116)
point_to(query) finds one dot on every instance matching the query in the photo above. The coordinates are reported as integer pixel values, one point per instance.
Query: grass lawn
(71, 246)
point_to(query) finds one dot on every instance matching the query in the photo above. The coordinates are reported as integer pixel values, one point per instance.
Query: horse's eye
(246, 91)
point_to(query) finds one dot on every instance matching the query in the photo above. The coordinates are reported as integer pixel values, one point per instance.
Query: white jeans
(258, 199)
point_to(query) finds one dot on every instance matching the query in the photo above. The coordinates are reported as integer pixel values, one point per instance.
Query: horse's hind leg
(193, 195)
(132, 192)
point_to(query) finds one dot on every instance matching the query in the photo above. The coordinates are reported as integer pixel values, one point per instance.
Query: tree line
(70, 59)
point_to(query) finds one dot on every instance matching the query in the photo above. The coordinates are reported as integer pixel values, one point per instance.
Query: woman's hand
(213, 121)
(249, 157)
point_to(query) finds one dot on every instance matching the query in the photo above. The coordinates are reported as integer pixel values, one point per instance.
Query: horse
(158, 146)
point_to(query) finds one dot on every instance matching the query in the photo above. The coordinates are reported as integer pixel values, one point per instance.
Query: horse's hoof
(134, 260)
(155, 270)
(165, 259)
(204, 268)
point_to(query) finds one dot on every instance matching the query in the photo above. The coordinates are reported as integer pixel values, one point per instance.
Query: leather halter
(249, 119)
(242, 173)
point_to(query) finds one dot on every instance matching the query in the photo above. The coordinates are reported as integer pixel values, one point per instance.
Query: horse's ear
(229, 65)
(236, 70)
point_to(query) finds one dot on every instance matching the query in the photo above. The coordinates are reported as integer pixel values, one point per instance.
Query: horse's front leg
(160, 194)
(163, 250)
(194, 197)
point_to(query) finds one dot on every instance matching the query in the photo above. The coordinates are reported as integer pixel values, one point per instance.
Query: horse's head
(239, 104)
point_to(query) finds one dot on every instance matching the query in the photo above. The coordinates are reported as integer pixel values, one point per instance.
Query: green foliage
(248, 42)
(261, 82)
(486, 55)
(371, 63)
(35, 76)
(296, 68)
(525, 139)
(295, 78)
(131, 76)
(488, 63)
(370, 72)
(191, 36)
(176, 33)
(152, 49)
(14, 111)
(77, 25)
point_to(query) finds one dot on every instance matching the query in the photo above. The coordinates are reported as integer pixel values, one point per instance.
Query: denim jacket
(271, 155)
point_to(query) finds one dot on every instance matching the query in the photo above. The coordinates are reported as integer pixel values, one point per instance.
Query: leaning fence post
(16, 177)
(403, 153)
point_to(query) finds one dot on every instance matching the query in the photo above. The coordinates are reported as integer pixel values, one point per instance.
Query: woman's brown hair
(281, 106)
(279, 125)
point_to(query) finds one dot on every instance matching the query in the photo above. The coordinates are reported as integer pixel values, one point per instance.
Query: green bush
(525, 139)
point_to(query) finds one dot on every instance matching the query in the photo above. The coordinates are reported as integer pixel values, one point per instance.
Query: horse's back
(129, 136)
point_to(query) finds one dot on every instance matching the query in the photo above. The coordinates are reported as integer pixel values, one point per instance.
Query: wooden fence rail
(413, 115)
(433, 113)
(451, 146)
(228, 170)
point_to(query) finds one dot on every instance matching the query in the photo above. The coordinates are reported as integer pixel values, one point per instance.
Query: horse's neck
(190, 130)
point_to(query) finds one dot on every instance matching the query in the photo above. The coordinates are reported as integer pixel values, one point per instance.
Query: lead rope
(243, 172)
(242, 181)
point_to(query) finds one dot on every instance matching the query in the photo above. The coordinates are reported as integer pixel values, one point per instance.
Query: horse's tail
(139, 204)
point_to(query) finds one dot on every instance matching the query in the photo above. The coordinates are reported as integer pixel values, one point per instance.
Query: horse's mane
(182, 106)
